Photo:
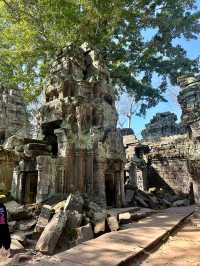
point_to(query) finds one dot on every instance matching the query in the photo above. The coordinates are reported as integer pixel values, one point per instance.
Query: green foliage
(32, 30)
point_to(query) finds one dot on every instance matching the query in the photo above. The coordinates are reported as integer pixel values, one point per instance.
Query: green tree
(32, 30)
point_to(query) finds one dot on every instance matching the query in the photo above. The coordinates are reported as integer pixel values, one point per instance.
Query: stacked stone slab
(13, 114)
(162, 125)
(189, 99)
(78, 122)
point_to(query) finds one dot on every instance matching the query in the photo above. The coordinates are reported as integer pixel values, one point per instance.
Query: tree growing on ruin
(31, 31)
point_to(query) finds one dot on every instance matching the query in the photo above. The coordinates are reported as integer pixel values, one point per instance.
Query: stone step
(119, 248)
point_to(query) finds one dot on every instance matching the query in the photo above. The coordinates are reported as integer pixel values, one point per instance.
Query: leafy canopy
(32, 30)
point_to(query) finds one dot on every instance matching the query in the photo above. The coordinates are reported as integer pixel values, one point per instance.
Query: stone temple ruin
(13, 118)
(80, 148)
(162, 125)
(80, 156)
(172, 162)
(13, 121)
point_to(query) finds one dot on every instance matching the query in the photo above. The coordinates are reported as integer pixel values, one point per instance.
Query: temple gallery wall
(79, 147)
(173, 159)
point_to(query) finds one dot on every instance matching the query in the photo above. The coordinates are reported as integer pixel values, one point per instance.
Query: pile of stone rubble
(155, 198)
(51, 228)
(54, 227)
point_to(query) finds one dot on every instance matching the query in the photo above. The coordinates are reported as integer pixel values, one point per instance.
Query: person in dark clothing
(5, 239)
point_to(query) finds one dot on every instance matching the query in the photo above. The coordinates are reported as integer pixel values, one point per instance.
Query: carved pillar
(77, 170)
(119, 183)
(132, 174)
(123, 200)
(44, 174)
(60, 183)
(89, 172)
(15, 183)
(69, 166)
(82, 170)
(99, 182)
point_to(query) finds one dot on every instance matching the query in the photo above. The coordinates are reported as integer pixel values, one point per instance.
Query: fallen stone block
(51, 234)
(93, 208)
(124, 218)
(99, 222)
(141, 201)
(84, 233)
(16, 245)
(166, 202)
(27, 225)
(12, 226)
(74, 219)
(179, 203)
(19, 236)
(73, 202)
(46, 213)
(113, 223)
(17, 212)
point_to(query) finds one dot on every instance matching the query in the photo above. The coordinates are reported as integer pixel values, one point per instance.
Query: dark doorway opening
(2, 137)
(50, 137)
(110, 189)
(31, 187)
(29, 182)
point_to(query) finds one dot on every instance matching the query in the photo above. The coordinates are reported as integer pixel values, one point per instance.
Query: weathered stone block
(125, 218)
(51, 234)
(99, 222)
(113, 223)
(84, 233)
(44, 217)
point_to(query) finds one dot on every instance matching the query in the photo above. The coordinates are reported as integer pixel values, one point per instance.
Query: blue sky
(138, 123)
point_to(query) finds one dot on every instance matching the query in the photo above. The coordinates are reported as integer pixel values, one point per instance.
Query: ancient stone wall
(176, 159)
(175, 174)
(170, 160)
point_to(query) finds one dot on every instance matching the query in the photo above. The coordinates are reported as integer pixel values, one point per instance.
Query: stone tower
(189, 99)
(162, 125)
(13, 115)
(78, 122)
